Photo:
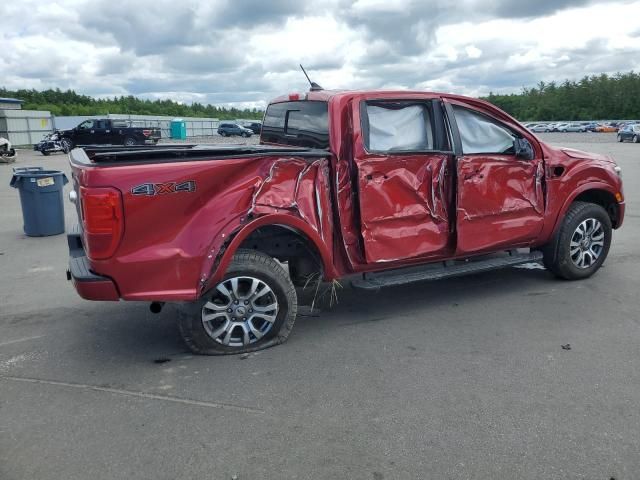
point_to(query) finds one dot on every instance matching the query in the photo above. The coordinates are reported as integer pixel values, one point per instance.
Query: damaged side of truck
(383, 187)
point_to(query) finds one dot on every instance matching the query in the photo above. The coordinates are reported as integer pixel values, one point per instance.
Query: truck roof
(345, 95)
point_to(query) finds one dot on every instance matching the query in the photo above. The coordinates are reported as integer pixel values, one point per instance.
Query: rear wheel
(252, 308)
(582, 243)
(636, 139)
(45, 153)
(130, 142)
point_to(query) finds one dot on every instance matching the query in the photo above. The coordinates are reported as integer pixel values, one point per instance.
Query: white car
(541, 127)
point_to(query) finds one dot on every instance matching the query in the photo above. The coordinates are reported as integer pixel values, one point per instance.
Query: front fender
(571, 198)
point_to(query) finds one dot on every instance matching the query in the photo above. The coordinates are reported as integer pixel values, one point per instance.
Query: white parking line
(18, 340)
(133, 393)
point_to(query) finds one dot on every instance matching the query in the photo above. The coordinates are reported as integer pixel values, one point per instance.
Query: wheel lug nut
(244, 318)
(246, 302)
(229, 310)
(251, 310)
(236, 302)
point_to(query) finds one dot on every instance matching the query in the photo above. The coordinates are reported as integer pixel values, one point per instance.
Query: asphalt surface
(457, 379)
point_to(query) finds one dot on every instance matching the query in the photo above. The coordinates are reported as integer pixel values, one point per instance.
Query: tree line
(68, 102)
(597, 97)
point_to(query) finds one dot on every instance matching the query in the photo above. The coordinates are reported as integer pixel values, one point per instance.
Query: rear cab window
(301, 123)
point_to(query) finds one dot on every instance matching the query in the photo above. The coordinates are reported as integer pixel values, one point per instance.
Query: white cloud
(244, 53)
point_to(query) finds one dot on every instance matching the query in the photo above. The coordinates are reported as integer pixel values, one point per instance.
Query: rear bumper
(89, 285)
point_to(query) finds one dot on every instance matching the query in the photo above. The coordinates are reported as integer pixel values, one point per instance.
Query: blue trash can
(41, 200)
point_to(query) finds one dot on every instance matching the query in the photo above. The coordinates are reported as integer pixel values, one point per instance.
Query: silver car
(573, 127)
(540, 128)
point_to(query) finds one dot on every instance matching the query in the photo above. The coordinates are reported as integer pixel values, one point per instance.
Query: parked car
(591, 127)
(540, 128)
(606, 128)
(230, 129)
(573, 127)
(336, 190)
(51, 144)
(560, 127)
(105, 131)
(630, 133)
(255, 127)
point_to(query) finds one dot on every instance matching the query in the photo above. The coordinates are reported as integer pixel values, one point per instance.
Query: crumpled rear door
(402, 195)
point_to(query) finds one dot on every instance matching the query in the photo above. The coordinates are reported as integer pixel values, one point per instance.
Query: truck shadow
(128, 333)
(362, 306)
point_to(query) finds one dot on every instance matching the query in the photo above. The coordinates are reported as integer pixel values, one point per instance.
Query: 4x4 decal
(164, 188)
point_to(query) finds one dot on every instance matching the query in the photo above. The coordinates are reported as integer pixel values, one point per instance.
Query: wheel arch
(601, 194)
(259, 235)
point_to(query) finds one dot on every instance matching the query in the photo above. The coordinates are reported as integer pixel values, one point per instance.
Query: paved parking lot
(463, 378)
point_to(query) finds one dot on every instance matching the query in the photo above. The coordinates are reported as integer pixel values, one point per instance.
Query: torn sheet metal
(500, 200)
(291, 186)
(402, 206)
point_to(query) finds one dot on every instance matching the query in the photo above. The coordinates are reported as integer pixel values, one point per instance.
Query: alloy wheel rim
(587, 243)
(241, 311)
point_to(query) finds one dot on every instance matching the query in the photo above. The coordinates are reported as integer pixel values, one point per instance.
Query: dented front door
(499, 197)
(402, 187)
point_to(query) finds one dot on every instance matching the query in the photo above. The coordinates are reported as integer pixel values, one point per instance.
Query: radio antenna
(314, 86)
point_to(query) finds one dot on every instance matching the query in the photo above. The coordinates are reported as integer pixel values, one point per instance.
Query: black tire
(620, 138)
(557, 256)
(246, 135)
(636, 139)
(68, 143)
(246, 263)
(45, 153)
(223, 134)
(130, 142)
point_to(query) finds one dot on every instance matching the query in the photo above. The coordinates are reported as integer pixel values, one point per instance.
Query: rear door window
(398, 127)
(300, 124)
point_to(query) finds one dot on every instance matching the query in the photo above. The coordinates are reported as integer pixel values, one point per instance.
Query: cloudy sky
(245, 52)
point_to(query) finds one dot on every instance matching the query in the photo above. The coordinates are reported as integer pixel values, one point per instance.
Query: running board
(440, 270)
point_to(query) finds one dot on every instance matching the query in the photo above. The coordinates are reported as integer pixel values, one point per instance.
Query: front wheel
(67, 144)
(620, 138)
(252, 308)
(582, 243)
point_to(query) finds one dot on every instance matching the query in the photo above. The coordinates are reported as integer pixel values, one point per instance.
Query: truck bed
(105, 155)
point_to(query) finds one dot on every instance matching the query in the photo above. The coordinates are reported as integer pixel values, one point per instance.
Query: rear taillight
(102, 220)
(146, 133)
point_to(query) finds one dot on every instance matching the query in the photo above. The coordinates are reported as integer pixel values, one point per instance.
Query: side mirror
(523, 149)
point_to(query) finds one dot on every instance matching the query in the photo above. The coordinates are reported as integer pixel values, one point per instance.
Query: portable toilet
(178, 129)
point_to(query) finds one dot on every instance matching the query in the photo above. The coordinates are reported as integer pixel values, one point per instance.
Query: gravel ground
(458, 379)
(216, 139)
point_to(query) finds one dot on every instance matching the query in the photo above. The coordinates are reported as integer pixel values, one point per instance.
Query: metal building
(25, 127)
(10, 103)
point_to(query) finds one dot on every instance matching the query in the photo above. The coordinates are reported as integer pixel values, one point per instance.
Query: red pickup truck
(382, 188)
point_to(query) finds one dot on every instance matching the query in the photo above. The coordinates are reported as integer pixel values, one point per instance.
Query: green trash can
(41, 200)
(178, 129)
